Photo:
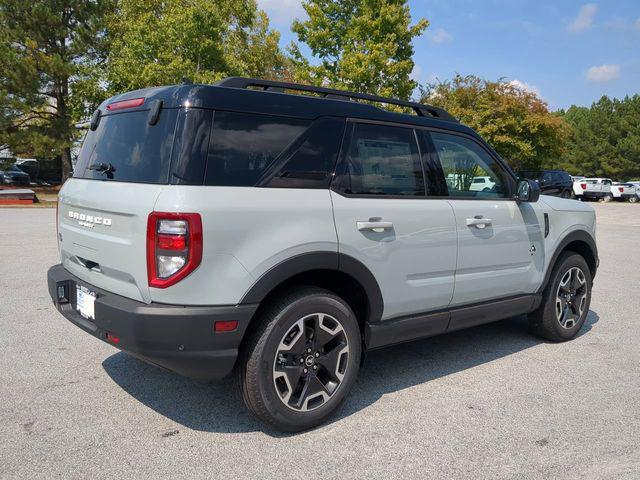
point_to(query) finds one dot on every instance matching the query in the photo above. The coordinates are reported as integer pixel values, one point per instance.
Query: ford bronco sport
(279, 231)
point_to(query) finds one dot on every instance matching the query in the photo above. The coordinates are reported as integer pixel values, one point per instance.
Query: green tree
(159, 42)
(362, 45)
(515, 121)
(605, 139)
(48, 51)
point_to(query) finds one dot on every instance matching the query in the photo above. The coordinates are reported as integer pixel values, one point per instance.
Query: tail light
(174, 247)
(621, 189)
(583, 186)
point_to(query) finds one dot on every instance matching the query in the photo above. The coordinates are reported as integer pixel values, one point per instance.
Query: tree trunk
(65, 160)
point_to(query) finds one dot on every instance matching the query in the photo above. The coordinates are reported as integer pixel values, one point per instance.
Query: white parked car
(579, 186)
(625, 192)
(597, 189)
(481, 184)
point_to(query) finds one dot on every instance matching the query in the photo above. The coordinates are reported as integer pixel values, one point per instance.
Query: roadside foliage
(364, 46)
(49, 54)
(516, 122)
(164, 42)
(605, 139)
(60, 58)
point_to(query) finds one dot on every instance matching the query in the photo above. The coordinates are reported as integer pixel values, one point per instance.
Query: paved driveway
(490, 402)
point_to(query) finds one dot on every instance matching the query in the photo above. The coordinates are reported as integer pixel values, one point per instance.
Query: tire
(560, 319)
(566, 194)
(607, 198)
(277, 355)
(633, 199)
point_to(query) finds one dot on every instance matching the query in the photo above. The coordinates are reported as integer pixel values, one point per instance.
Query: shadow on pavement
(216, 407)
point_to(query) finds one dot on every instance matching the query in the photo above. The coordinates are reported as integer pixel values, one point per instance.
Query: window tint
(136, 151)
(530, 174)
(190, 147)
(311, 161)
(243, 146)
(463, 162)
(561, 177)
(383, 160)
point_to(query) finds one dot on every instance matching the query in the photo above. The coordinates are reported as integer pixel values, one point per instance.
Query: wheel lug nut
(308, 350)
(315, 367)
(317, 354)
(301, 360)
(305, 370)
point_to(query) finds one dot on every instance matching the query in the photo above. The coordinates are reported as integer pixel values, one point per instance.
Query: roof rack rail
(421, 110)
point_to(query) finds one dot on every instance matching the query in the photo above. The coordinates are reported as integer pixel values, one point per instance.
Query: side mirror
(528, 191)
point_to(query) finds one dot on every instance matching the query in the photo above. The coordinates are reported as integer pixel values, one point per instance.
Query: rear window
(383, 160)
(125, 148)
(243, 146)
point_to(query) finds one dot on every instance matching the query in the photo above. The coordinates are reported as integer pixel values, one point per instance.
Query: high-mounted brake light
(174, 247)
(122, 104)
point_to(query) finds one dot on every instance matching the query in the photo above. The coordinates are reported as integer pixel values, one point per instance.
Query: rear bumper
(595, 194)
(180, 339)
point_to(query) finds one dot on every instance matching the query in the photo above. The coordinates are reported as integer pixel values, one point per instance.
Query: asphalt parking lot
(490, 402)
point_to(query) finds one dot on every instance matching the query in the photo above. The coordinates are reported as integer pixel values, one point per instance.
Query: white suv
(239, 227)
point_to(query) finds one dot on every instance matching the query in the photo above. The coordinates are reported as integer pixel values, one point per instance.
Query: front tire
(565, 300)
(301, 361)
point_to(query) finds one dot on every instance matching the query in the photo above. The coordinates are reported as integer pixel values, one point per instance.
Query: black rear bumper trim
(180, 339)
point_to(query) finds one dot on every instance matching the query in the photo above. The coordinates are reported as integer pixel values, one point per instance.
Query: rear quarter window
(136, 151)
(243, 146)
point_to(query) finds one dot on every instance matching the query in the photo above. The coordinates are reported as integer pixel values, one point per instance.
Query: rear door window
(383, 160)
(125, 148)
(243, 146)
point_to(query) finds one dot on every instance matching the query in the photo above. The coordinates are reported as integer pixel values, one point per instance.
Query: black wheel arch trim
(306, 262)
(575, 236)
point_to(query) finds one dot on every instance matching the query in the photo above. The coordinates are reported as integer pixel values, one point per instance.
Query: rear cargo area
(102, 234)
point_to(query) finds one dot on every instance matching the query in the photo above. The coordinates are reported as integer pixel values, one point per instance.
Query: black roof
(233, 95)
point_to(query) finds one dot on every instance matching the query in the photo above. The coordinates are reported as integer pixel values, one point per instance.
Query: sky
(569, 52)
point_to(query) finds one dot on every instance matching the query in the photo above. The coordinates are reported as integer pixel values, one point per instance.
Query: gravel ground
(490, 402)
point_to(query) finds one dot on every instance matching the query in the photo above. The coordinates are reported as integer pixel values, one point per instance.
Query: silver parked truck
(244, 228)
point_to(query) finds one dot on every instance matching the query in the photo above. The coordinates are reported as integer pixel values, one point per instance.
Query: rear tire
(633, 199)
(565, 300)
(607, 198)
(301, 360)
(566, 194)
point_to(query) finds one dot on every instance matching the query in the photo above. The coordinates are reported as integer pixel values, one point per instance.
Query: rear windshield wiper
(105, 168)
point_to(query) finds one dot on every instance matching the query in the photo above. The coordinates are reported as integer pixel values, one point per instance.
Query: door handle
(377, 227)
(478, 221)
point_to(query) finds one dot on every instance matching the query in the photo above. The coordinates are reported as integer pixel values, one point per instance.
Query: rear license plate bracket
(85, 302)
